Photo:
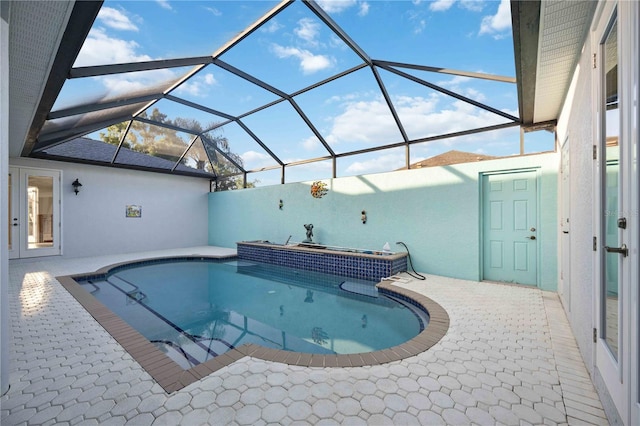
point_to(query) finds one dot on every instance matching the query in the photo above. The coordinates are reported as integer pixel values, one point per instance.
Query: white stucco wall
(575, 126)
(174, 209)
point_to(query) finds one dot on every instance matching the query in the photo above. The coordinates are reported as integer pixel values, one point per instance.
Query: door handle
(623, 250)
(531, 237)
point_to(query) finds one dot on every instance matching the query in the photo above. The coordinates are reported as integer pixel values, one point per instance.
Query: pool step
(127, 288)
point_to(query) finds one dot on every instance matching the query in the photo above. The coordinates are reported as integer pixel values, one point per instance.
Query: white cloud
(382, 163)
(440, 5)
(420, 26)
(308, 30)
(369, 122)
(116, 19)
(474, 94)
(444, 5)
(497, 142)
(499, 23)
(210, 79)
(364, 9)
(455, 117)
(417, 19)
(472, 5)
(197, 86)
(454, 82)
(164, 4)
(311, 143)
(342, 98)
(459, 84)
(132, 82)
(309, 63)
(99, 49)
(271, 27)
(336, 6)
(256, 160)
(214, 11)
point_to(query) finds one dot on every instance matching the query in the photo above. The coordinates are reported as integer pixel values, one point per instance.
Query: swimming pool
(198, 309)
(179, 345)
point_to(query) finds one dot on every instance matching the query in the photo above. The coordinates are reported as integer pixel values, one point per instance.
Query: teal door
(510, 227)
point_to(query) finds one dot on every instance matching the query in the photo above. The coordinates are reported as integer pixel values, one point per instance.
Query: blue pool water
(194, 310)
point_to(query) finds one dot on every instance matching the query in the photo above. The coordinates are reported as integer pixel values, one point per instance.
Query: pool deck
(508, 357)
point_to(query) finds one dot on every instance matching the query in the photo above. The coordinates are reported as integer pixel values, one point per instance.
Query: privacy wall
(174, 209)
(435, 211)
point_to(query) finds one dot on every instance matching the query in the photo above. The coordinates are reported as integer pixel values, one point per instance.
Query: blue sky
(294, 50)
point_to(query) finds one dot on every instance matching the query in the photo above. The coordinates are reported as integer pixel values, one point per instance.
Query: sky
(295, 50)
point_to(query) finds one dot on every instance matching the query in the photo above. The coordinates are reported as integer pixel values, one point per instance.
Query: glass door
(613, 223)
(34, 212)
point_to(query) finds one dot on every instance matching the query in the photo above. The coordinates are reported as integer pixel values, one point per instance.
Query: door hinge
(595, 243)
(595, 61)
(595, 152)
(595, 335)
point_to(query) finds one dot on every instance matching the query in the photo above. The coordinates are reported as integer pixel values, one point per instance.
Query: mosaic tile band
(366, 267)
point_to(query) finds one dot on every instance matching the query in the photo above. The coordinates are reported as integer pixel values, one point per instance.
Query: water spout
(309, 228)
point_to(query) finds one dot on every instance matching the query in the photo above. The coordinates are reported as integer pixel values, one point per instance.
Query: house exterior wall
(435, 211)
(575, 127)
(578, 126)
(174, 209)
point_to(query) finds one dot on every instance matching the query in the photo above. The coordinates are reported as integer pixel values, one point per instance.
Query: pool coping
(172, 377)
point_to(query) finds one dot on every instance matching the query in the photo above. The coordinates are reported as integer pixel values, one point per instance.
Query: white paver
(510, 361)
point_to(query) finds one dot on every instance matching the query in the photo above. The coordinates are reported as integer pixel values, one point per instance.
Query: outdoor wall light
(280, 205)
(76, 186)
(364, 217)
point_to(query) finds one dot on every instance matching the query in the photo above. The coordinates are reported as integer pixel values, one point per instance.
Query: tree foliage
(170, 144)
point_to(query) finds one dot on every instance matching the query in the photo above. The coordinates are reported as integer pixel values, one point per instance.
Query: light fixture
(76, 186)
(280, 204)
(364, 217)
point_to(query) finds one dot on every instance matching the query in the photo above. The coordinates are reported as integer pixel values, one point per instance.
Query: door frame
(482, 176)
(632, 18)
(629, 20)
(19, 205)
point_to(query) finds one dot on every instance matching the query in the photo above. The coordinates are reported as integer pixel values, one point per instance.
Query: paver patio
(508, 358)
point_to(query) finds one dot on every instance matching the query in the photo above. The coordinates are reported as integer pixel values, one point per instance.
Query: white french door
(34, 212)
(616, 293)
